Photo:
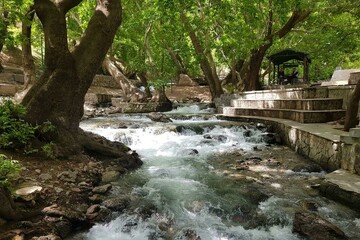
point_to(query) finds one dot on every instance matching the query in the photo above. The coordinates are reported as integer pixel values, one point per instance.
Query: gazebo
(285, 56)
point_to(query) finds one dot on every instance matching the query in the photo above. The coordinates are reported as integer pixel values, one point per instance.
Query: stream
(205, 178)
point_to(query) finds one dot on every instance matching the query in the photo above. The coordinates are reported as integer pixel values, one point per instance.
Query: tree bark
(3, 32)
(8, 209)
(58, 96)
(352, 109)
(206, 61)
(131, 92)
(179, 63)
(252, 80)
(27, 58)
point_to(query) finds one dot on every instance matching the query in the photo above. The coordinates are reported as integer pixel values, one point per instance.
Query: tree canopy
(154, 37)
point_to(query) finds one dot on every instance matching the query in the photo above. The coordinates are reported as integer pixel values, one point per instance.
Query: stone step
(298, 104)
(290, 93)
(9, 89)
(302, 116)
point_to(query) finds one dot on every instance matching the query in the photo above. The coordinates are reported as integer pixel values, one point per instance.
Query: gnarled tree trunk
(3, 31)
(206, 60)
(58, 96)
(8, 209)
(27, 58)
(252, 80)
(131, 92)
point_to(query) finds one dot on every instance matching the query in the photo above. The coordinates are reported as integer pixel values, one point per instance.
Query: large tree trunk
(27, 58)
(131, 92)
(352, 109)
(252, 80)
(3, 32)
(252, 77)
(58, 96)
(8, 209)
(206, 61)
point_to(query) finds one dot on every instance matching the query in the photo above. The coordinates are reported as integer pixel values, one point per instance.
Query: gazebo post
(306, 70)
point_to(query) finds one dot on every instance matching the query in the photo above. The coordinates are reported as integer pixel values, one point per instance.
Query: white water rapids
(187, 178)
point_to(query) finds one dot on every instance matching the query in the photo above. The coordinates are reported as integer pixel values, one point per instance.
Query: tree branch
(97, 38)
(66, 5)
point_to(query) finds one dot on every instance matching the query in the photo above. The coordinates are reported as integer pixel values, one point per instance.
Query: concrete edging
(318, 142)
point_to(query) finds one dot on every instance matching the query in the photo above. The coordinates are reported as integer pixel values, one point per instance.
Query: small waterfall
(190, 182)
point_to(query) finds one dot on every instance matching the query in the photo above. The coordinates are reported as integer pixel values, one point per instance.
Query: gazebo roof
(288, 54)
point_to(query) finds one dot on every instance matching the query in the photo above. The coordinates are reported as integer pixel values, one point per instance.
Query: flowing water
(204, 178)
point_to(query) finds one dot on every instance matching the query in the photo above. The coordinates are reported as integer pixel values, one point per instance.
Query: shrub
(15, 133)
(7, 167)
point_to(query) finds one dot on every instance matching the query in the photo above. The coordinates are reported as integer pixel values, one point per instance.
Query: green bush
(7, 167)
(15, 133)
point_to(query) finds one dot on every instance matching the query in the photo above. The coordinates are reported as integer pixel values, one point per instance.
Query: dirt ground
(179, 93)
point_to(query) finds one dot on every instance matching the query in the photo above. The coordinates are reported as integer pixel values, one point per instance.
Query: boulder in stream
(159, 117)
(316, 228)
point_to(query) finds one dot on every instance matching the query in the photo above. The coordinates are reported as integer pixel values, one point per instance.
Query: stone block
(354, 132)
(354, 77)
(9, 89)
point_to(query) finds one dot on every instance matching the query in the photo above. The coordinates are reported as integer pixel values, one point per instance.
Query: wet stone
(102, 189)
(45, 177)
(315, 227)
(117, 204)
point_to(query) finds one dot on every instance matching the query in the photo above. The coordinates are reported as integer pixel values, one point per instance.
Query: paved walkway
(324, 130)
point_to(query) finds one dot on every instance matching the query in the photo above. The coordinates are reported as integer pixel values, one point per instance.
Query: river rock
(45, 177)
(316, 228)
(270, 138)
(242, 214)
(29, 193)
(67, 176)
(63, 228)
(190, 234)
(102, 189)
(48, 237)
(72, 215)
(219, 138)
(309, 206)
(307, 167)
(159, 117)
(110, 176)
(254, 194)
(146, 211)
(96, 198)
(117, 204)
(97, 213)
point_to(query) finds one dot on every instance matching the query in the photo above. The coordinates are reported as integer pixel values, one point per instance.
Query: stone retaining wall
(330, 154)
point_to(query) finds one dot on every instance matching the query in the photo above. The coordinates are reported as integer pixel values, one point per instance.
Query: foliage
(229, 30)
(48, 149)
(7, 167)
(15, 133)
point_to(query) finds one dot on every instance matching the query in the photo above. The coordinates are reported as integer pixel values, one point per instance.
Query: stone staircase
(304, 105)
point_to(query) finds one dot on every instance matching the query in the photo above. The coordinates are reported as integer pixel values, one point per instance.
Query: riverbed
(205, 178)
